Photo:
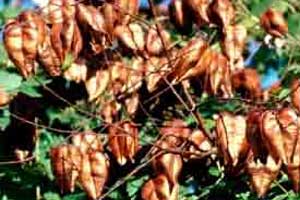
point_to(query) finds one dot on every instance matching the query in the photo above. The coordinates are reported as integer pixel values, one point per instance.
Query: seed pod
(87, 141)
(90, 17)
(132, 36)
(262, 175)
(58, 10)
(200, 9)
(199, 143)
(65, 161)
(49, 59)
(135, 76)
(93, 173)
(231, 138)
(154, 70)
(160, 189)
(293, 171)
(132, 104)
(233, 42)
(123, 141)
(272, 135)
(187, 59)
(295, 94)
(110, 15)
(175, 132)
(179, 16)
(127, 10)
(97, 83)
(247, 82)
(274, 23)
(76, 72)
(217, 76)
(22, 38)
(222, 13)
(154, 44)
(290, 123)
(65, 37)
(168, 163)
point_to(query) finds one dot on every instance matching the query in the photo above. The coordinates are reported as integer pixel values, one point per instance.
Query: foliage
(62, 108)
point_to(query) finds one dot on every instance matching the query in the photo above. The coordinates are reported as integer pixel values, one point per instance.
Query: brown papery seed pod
(217, 79)
(93, 173)
(90, 17)
(274, 23)
(222, 13)
(168, 163)
(262, 175)
(272, 135)
(154, 44)
(160, 189)
(48, 58)
(199, 9)
(97, 83)
(290, 123)
(132, 36)
(65, 161)
(127, 9)
(123, 141)
(155, 68)
(58, 10)
(233, 43)
(187, 59)
(76, 72)
(22, 38)
(247, 82)
(87, 141)
(179, 16)
(175, 132)
(295, 94)
(231, 137)
(199, 143)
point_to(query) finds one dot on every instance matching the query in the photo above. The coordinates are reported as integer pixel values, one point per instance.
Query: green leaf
(294, 24)
(134, 185)
(51, 196)
(257, 7)
(4, 118)
(9, 81)
(214, 171)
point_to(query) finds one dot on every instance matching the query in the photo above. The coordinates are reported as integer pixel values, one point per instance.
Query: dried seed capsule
(262, 175)
(179, 16)
(123, 141)
(160, 189)
(87, 141)
(247, 83)
(272, 135)
(154, 44)
(274, 23)
(222, 13)
(231, 137)
(93, 173)
(49, 59)
(168, 163)
(295, 94)
(199, 9)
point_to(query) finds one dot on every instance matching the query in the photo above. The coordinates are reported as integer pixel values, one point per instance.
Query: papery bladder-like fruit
(274, 23)
(123, 141)
(231, 137)
(159, 188)
(263, 174)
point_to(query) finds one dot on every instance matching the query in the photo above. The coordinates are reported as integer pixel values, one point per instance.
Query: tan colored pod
(179, 16)
(154, 44)
(131, 36)
(274, 23)
(231, 138)
(295, 93)
(262, 175)
(87, 141)
(123, 141)
(200, 10)
(272, 135)
(168, 163)
(159, 188)
(222, 13)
